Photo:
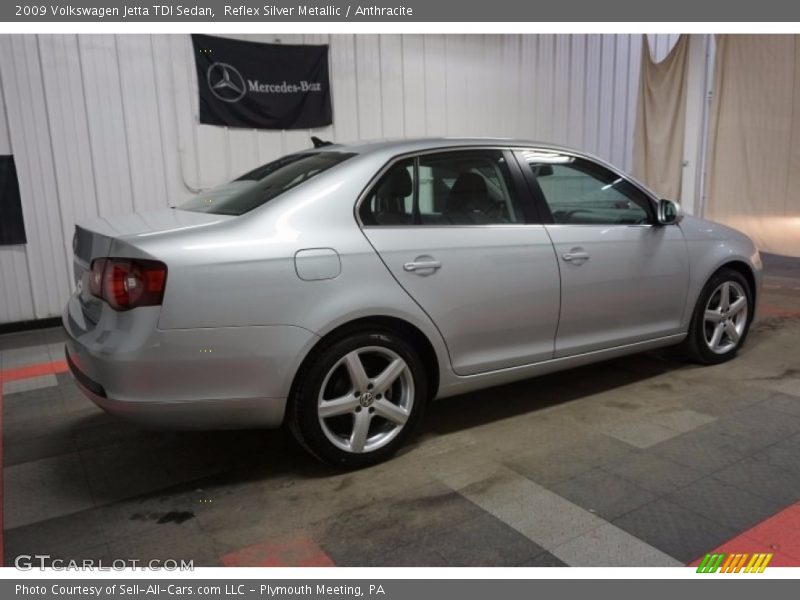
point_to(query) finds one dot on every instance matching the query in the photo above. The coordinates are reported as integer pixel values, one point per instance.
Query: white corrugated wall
(105, 124)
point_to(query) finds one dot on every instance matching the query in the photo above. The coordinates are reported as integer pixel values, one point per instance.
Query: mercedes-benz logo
(225, 82)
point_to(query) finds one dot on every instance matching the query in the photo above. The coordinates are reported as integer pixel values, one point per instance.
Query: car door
(456, 232)
(624, 279)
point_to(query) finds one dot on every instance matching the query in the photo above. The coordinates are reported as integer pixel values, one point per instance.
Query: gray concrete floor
(644, 460)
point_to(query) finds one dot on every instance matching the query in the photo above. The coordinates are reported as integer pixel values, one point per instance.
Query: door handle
(575, 255)
(422, 265)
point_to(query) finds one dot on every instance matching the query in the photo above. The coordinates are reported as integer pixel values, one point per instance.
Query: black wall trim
(12, 227)
(29, 325)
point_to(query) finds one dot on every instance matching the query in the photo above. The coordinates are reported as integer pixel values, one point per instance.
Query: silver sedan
(340, 289)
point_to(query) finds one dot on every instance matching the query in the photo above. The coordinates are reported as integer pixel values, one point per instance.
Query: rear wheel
(721, 319)
(358, 398)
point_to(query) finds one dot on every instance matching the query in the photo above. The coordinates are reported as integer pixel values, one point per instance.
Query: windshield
(261, 185)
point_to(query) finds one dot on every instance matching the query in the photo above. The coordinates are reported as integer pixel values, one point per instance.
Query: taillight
(126, 283)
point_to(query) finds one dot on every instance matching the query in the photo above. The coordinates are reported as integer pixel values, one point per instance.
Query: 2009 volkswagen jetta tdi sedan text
(340, 289)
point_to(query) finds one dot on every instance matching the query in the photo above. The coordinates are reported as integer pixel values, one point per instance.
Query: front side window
(471, 187)
(578, 191)
(264, 183)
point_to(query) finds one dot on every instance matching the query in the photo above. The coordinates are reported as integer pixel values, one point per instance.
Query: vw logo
(225, 82)
(366, 399)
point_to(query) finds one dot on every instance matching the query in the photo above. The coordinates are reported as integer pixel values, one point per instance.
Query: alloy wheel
(725, 317)
(365, 399)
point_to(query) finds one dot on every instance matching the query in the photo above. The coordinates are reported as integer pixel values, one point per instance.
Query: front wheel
(358, 399)
(721, 318)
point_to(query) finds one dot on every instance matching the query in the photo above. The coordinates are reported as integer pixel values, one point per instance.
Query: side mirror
(669, 212)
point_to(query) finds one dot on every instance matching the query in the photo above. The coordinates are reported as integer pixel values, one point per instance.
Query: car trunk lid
(94, 238)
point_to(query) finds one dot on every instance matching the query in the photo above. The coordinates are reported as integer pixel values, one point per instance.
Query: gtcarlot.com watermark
(28, 562)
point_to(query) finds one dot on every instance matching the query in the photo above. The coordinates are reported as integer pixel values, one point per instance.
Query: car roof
(401, 146)
(389, 148)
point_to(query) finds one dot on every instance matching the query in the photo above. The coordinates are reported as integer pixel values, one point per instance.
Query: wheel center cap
(366, 399)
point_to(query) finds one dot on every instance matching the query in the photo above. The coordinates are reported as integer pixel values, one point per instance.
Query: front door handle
(577, 255)
(422, 265)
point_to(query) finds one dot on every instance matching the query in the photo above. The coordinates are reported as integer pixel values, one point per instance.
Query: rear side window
(261, 185)
(391, 201)
(454, 188)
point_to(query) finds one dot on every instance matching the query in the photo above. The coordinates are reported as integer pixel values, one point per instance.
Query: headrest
(469, 183)
(398, 184)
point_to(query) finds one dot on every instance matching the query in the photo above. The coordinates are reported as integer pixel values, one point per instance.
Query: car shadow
(246, 455)
(193, 459)
(536, 394)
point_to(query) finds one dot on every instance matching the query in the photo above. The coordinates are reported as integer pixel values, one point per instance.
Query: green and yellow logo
(734, 563)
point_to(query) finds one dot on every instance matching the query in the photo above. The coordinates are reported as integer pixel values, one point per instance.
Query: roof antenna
(318, 143)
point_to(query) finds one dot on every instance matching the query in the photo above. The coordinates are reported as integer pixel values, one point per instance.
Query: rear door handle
(422, 265)
(576, 255)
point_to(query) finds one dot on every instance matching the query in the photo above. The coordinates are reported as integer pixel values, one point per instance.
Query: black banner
(263, 86)
(12, 228)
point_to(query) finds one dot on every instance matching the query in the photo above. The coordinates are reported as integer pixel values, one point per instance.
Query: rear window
(261, 185)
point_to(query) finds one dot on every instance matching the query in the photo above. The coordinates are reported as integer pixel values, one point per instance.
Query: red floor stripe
(295, 552)
(59, 366)
(51, 368)
(780, 534)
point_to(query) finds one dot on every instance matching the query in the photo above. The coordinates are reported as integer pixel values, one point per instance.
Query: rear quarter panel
(241, 272)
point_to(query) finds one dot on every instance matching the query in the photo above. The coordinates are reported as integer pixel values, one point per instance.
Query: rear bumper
(236, 413)
(209, 378)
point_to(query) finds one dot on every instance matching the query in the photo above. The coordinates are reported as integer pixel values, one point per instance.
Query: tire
(349, 417)
(716, 339)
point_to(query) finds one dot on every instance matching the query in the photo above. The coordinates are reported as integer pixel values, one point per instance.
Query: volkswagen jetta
(340, 289)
